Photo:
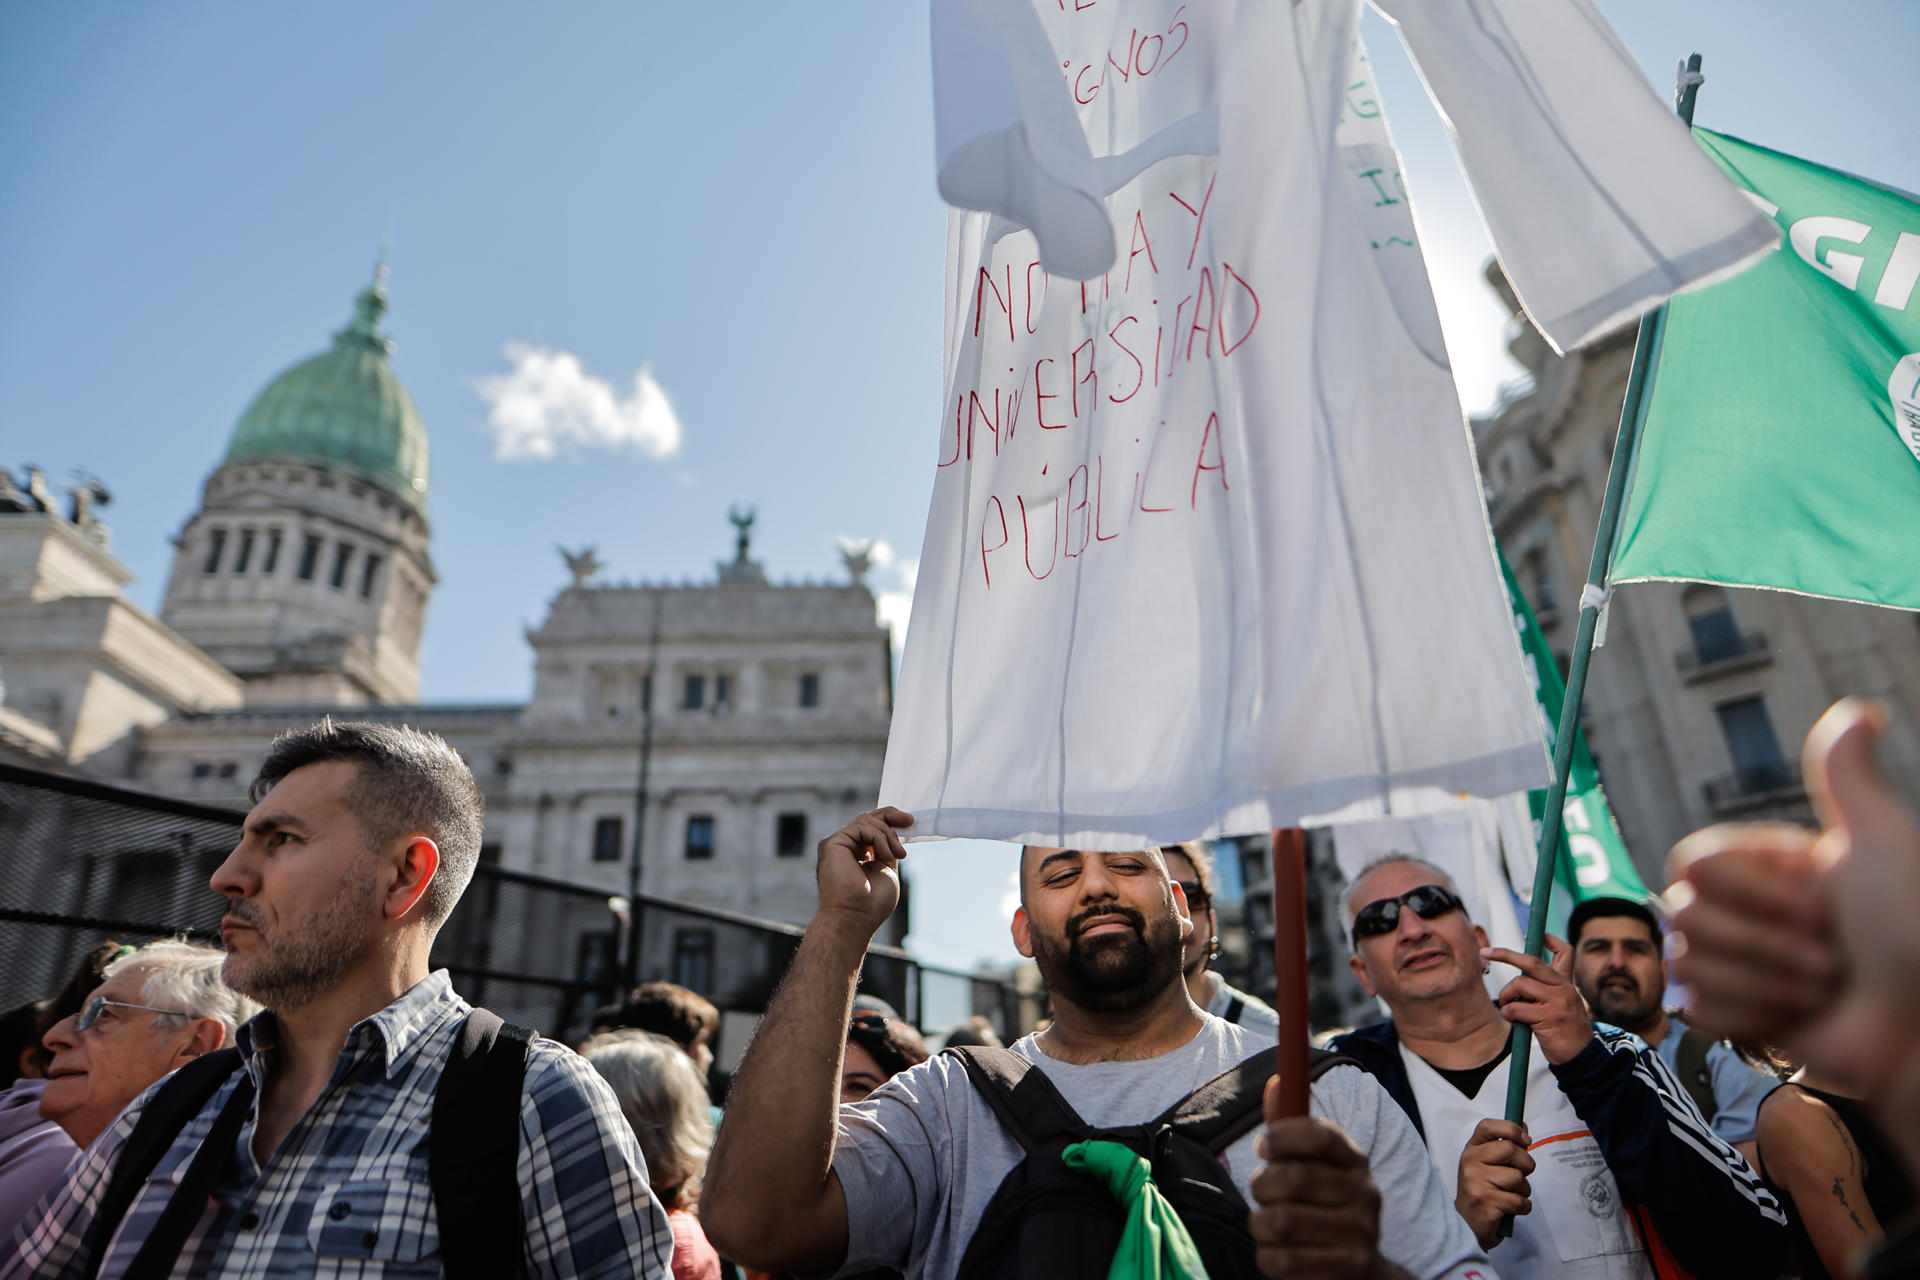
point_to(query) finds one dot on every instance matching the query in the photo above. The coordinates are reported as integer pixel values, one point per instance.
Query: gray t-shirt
(920, 1158)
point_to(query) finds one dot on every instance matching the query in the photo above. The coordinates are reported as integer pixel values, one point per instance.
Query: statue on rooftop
(857, 555)
(743, 524)
(582, 564)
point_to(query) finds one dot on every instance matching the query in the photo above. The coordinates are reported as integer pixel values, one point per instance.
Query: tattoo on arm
(1846, 1140)
(1840, 1194)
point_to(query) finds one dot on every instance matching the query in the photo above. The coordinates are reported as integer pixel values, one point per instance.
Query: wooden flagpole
(1633, 412)
(1290, 966)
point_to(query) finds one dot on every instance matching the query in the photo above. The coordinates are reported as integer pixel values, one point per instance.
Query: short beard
(1118, 972)
(1608, 1007)
(296, 966)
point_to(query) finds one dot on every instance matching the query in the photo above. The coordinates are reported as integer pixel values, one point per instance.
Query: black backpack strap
(1696, 1077)
(1024, 1100)
(1235, 1007)
(1226, 1108)
(160, 1252)
(167, 1112)
(474, 1147)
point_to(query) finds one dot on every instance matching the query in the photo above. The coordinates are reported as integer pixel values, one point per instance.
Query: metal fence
(81, 861)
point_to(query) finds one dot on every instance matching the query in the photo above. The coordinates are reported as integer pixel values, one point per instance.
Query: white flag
(1206, 550)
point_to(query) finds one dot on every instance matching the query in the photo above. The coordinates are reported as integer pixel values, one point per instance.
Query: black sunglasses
(1429, 902)
(868, 1026)
(1198, 899)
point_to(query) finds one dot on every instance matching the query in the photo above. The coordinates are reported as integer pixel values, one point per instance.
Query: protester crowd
(310, 1099)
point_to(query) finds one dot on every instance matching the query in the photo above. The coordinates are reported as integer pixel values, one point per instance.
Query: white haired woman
(665, 1101)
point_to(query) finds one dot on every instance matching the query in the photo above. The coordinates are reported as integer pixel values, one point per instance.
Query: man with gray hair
(158, 1007)
(1612, 1164)
(311, 1148)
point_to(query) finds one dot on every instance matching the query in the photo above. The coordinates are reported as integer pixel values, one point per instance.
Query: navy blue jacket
(1705, 1200)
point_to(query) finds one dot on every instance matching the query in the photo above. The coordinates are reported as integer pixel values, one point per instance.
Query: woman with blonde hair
(665, 1102)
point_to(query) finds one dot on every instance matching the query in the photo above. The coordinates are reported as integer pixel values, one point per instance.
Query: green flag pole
(1646, 351)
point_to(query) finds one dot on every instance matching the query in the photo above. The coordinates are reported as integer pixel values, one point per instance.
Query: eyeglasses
(91, 1012)
(1198, 899)
(1429, 902)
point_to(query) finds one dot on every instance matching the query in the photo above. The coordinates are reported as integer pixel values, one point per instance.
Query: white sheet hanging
(1206, 550)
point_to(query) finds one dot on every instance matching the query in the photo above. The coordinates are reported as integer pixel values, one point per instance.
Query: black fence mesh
(81, 862)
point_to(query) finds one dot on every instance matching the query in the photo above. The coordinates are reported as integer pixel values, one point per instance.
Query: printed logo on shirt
(1596, 1192)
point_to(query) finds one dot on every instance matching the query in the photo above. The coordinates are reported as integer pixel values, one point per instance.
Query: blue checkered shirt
(347, 1193)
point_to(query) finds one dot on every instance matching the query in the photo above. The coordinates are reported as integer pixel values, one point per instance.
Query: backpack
(1695, 1076)
(1048, 1222)
(474, 1145)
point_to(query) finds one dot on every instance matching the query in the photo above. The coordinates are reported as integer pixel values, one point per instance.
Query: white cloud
(548, 403)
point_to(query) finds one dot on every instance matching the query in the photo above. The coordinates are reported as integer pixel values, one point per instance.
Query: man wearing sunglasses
(1191, 866)
(158, 1006)
(1614, 1173)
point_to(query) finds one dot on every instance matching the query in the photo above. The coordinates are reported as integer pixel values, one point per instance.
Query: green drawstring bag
(1154, 1245)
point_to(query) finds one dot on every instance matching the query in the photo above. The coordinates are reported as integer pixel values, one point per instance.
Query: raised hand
(1812, 942)
(1544, 998)
(858, 868)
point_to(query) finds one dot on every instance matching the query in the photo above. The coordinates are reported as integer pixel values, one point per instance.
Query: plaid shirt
(585, 1203)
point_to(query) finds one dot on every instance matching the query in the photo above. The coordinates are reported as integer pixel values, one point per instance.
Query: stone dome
(343, 408)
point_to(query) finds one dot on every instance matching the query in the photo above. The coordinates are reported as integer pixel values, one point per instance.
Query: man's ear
(1359, 967)
(419, 860)
(1022, 933)
(1480, 936)
(1182, 909)
(208, 1034)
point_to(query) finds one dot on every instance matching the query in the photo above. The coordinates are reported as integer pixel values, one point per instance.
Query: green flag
(1593, 859)
(1781, 446)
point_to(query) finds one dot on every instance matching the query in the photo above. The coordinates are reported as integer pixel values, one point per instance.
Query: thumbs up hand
(1812, 940)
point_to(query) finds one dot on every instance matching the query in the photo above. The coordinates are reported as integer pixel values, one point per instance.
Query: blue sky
(737, 199)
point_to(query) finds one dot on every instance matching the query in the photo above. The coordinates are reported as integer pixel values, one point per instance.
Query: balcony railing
(1735, 652)
(1776, 782)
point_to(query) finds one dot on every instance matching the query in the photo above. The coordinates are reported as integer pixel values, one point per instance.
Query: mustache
(245, 913)
(1110, 912)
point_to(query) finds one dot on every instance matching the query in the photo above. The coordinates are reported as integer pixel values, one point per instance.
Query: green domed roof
(344, 407)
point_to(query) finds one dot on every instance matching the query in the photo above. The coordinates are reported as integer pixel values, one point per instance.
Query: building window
(229, 769)
(646, 692)
(273, 552)
(693, 959)
(216, 543)
(244, 552)
(342, 554)
(809, 689)
(309, 557)
(203, 770)
(1757, 758)
(606, 839)
(1710, 619)
(490, 854)
(790, 835)
(693, 694)
(722, 692)
(368, 568)
(699, 836)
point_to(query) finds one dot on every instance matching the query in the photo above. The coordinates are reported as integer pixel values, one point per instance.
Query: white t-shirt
(920, 1158)
(1579, 1228)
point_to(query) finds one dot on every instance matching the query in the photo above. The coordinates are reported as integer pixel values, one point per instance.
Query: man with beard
(798, 1183)
(1619, 969)
(1613, 1167)
(1191, 866)
(360, 841)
